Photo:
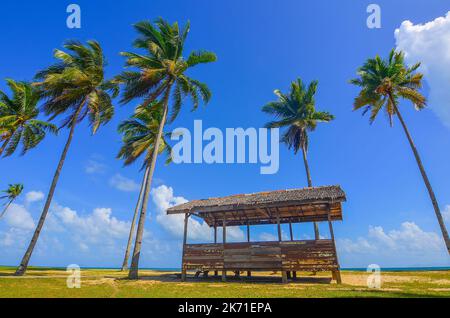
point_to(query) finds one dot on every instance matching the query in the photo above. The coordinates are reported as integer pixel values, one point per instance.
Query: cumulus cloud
(17, 216)
(93, 166)
(429, 43)
(446, 213)
(408, 245)
(164, 198)
(123, 183)
(34, 196)
(98, 227)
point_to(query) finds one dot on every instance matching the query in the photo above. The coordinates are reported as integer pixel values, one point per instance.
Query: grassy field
(47, 282)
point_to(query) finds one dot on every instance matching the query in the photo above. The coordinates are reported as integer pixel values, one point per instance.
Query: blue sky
(261, 46)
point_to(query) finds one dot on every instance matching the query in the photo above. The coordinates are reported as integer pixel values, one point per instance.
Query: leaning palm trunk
(26, 258)
(133, 274)
(308, 176)
(133, 223)
(6, 208)
(425, 178)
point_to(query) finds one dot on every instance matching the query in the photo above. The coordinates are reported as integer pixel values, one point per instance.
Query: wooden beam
(183, 265)
(224, 235)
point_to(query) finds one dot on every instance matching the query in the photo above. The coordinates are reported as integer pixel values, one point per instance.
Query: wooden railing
(314, 255)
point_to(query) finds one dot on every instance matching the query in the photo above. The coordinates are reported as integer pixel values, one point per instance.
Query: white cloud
(18, 217)
(199, 231)
(267, 237)
(407, 246)
(446, 213)
(34, 196)
(93, 166)
(99, 227)
(429, 43)
(123, 184)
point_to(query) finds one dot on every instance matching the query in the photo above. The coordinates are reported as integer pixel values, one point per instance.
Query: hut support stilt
(224, 232)
(183, 265)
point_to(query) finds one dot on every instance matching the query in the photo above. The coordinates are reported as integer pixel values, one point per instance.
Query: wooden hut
(316, 204)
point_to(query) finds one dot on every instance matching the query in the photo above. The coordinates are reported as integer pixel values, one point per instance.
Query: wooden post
(216, 273)
(294, 273)
(337, 273)
(224, 232)
(283, 272)
(290, 231)
(249, 273)
(183, 265)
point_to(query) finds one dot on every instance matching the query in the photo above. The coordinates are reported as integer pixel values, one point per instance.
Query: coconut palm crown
(384, 82)
(13, 191)
(76, 87)
(297, 112)
(161, 70)
(139, 135)
(18, 119)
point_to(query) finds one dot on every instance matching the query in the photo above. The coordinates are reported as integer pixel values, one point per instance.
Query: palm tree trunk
(6, 208)
(133, 274)
(26, 258)
(425, 178)
(308, 176)
(133, 223)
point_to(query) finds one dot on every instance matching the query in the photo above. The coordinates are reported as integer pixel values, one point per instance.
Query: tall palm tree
(139, 135)
(18, 119)
(13, 191)
(75, 86)
(383, 83)
(160, 73)
(297, 112)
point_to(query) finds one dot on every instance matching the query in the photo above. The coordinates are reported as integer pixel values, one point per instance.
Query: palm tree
(18, 119)
(139, 134)
(75, 86)
(160, 73)
(13, 191)
(297, 112)
(383, 83)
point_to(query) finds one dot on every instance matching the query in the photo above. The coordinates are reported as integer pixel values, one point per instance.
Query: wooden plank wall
(262, 256)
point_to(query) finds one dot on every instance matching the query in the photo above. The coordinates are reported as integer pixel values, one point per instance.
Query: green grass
(48, 282)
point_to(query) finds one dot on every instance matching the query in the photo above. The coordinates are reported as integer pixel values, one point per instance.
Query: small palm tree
(161, 74)
(13, 191)
(139, 135)
(383, 83)
(75, 86)
(18, 119)
(297, 112)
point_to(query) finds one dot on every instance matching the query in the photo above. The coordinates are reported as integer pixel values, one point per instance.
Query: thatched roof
(305, 204)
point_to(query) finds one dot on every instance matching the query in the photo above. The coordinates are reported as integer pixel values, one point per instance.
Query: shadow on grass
(176, 278)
